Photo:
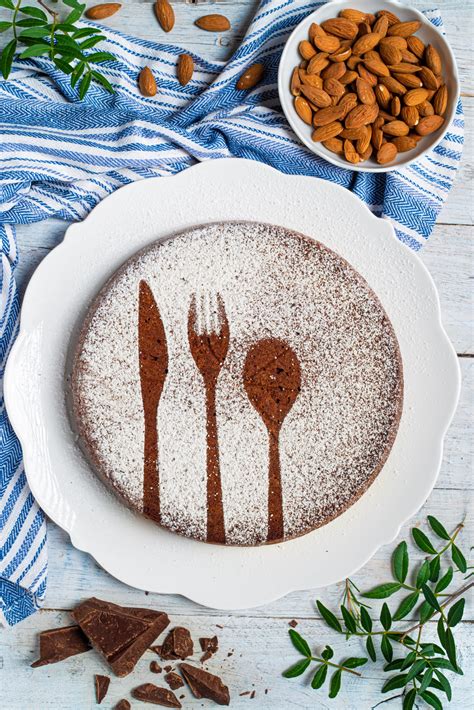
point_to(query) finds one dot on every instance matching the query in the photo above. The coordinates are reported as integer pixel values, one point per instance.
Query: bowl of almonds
(368, 86)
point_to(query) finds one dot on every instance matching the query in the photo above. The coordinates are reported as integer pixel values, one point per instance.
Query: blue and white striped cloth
(59, 157)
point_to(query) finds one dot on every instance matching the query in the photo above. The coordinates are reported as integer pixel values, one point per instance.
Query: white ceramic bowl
(427, 33)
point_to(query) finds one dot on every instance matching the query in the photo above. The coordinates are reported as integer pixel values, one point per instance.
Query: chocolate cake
(238, 383)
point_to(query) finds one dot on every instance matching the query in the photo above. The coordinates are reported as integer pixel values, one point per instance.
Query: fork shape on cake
(208, 336)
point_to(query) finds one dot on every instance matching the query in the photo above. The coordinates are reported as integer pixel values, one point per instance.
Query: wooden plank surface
(258, 638)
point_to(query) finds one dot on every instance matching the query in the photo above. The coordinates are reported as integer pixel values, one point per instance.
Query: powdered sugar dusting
(274, 283)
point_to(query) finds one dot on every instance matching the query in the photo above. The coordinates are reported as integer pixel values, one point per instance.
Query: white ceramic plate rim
(331, 9)
(133, 549)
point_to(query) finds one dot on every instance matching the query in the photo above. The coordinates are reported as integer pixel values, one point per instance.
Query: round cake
(238, 383)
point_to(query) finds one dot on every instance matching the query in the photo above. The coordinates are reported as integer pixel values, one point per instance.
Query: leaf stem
(448, 601)
(53, 14)
(17, 8)
(335, 665)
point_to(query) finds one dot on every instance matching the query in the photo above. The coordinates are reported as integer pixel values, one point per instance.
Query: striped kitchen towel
(60, 156)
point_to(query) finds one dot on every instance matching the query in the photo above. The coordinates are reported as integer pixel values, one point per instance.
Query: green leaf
(74, 16)
(445, 581)
(349, 620)
(354, 662)
(31, 22)
(409, 699)
(97, 57)
(400, 561)
(62, 65)
(417, 668)
(34, 12)
(432, 700)
(426, 612)
(91, 41)
(409, 660)
(393, 665)
(406, 605)
(458, 559)
(447, 665)
(444, 683)
(387, 649)
(329, 617)
(386, 617)
(6, 59)
(65, 27)
(5, 26)
(426, 681)
(299, 643)
(36, 50)
(8, 4)
(85, 31)
(435, 568)
(35, 32)
(319, 677)
(422, 541)
(394, 683)
(77, 73)
(335, 685)
(450, 647)
(297, 669)
(438, 528)
(423, 574)
(441, 632)
(371, 649)
(430, 597)
(327, 654)
(365, 619)
(383, 591)
(455, 613)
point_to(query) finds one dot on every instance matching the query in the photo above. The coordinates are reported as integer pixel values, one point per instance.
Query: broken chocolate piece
(174, 680)
(252, 695)
(177, 645)
(150, 693)
(205, 685)
(122, 705)
(210, 646)
(155, 667)
(58, 644)
(293, 623)
(168, 668)
(102, 683)
(120, 634)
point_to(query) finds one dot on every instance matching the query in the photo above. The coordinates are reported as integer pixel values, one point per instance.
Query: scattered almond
(185, 69)
(213, 23)
(395, 106)
(251, 77)
(146, 82)
(164, 14)
(101, 12)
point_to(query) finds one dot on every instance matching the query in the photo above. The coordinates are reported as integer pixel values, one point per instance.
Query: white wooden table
(258, 638)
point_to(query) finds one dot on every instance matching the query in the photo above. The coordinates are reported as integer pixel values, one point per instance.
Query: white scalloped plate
(135, 550)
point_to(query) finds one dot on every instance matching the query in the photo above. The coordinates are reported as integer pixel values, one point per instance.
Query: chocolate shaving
(205, 685)
(150, 693)
(177, 645)
(58, 644)
(252, 695)
(155, 667)
(122, 705)
(293, 623)
(168, 668)
(120, 634)
(174, 680)
(102, 683)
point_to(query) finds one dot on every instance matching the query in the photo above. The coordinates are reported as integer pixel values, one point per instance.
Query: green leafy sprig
(420, 673)
(44, 33)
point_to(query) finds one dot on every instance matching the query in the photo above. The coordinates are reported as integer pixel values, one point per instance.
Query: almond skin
(213, 23)
(146, 82)
(323, 133)
(164, 14)
(386, 153)
(393, 85)
(390, 54)
(311, 80)
(101, 12)
(303, 109)
(185, 69)
(251, 77)
(429, 124)
(381, 27)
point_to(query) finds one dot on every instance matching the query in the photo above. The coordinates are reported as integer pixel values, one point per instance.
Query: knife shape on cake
(153, 363)
(272, 380)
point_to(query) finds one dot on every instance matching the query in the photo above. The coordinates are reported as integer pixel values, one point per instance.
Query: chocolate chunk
(150, 693)
(293, 623)
(122, 705)
(59, 644)
(177, 645)
(252, 695)
(156, 649)
(174, 680)
(168, 668)
(210, 646)
(102, 683)
(155, 667)
(120, 634)
(205, 685)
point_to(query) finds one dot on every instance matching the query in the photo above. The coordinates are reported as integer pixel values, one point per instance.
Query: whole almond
(391, 17)
(334, 71)
(386, 153)
(433, 60)
(311, 79)
(429, 124)
(303, 109)
(390, 54)
(185, 69)
(377, 67)
(372, 54)
(364, 29)
(367, 153)
(101, 12)
(411, 81)
(213, 23)
(348, 102)
(425, 109)
(326, 43)
(323, 133)
(381, 26)
(164, 14)
(410, 115)
(306, 49)
(335, 145)
(396, 128)
(415, 97)
(405, 68)
(333, 87)
(440, 100)
(341, 55)
(341, 27)
(365, 92)
(295, 83)
(404, 29)
(350, 153)
(383, 96)
(348, 77)
(365, 43)
(409, 57)
(328, 115)
(356, 16)
(365, 74)
(404, 143)
(416, 46)
(428, 78)
(377, 138)
(315, 31)
(361, 115)
(397, 42)
(395, 106)
(250, 77)
(146, 82)
(364, 142)
(353, 134)
(353, 62)
(317, 96)
(319, 62)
